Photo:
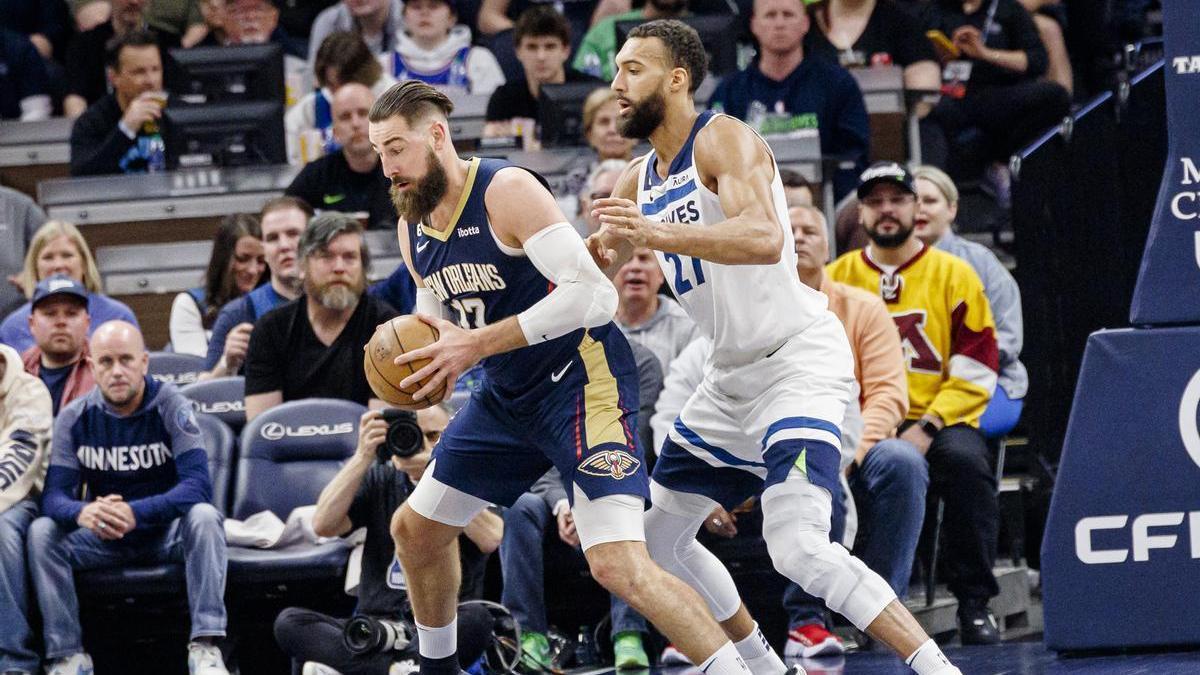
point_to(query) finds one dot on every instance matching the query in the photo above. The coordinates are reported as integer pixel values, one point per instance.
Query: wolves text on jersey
(686, 212)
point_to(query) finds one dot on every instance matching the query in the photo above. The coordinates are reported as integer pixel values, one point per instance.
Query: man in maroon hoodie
(59, 324)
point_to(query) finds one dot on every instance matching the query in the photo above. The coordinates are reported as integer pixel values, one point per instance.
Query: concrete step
(1017, 611)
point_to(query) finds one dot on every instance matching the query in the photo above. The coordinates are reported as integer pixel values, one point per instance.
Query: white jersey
(746, 310)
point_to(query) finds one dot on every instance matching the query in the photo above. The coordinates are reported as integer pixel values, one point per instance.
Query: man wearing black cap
(949, 340)
(59, 323)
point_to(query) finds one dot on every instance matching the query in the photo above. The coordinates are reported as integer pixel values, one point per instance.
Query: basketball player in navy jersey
(486, 239)
(708, 198)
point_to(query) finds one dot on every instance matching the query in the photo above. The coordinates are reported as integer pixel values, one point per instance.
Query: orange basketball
(391, 339)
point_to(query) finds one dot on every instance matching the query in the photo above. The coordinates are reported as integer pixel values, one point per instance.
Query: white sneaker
(205, 659)
(75, 664)
(405, 667)
(314, 668)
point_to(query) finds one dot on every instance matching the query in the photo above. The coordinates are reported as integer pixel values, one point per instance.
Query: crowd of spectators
(993, 73)
(934, 318)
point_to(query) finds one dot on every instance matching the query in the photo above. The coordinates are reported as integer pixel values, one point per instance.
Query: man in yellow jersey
(949, 341)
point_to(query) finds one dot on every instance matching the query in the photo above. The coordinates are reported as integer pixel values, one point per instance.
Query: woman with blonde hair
(600, 113)
(937, 208)
(59, 248)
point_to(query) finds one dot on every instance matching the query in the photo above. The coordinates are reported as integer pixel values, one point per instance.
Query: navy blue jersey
(466, 268)
(154, 457)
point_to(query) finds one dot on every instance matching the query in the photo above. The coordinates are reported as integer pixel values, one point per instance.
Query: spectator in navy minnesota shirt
(781, 92)
(135, 444)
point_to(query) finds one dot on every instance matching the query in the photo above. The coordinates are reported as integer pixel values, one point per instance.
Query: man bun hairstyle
(413, 100)
(684, 48)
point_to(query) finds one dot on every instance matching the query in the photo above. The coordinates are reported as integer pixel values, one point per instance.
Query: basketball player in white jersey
(709, 200)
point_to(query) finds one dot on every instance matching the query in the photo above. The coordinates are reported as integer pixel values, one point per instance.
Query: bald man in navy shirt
(134, 442)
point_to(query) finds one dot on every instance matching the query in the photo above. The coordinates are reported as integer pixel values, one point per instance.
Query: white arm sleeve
(582, 298)
(427, 303)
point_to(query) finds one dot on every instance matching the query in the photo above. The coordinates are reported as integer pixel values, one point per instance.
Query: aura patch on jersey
(615, 463)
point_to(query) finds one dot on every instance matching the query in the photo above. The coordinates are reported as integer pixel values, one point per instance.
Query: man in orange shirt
(887, 476)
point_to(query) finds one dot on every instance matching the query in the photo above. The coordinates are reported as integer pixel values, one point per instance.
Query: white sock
(725, 661)
(438, 643)
(758, 655)
(929, 659)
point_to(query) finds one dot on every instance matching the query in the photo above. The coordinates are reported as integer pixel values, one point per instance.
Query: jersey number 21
(681, 283)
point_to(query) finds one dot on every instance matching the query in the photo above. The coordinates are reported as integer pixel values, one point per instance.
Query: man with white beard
(312, 346)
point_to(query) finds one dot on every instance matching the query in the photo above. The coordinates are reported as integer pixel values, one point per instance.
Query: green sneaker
(535, 652)
(628, 652)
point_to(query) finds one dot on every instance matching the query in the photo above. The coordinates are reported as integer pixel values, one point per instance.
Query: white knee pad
(796, 529)
(447, 505)
(607, 519)
(671, 526)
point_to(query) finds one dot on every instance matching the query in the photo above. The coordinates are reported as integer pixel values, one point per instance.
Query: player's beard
(893, 240)
(422, 196)
(644, 117)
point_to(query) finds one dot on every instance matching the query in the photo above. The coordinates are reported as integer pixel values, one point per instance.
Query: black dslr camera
(404, 436)
(365, 635)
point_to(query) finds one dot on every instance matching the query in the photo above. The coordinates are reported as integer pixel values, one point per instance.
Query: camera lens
(404, 436)
(361, 635)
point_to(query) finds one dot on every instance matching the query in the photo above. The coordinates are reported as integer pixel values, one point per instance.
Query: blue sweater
(817, 94)
(154, 458)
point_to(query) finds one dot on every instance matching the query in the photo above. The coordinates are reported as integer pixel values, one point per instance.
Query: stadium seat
(219, 442)
(168, 578)
(288, 455)
(223, 398)
(176, 368)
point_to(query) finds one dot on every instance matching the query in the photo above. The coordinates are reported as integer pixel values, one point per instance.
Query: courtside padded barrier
(179, 369)
(288, 455)
(1168, 280)
(1121, 554)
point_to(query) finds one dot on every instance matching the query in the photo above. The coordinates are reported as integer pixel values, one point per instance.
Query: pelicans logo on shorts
(615, 463)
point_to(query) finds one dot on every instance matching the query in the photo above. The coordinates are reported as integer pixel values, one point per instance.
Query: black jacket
(97, 143)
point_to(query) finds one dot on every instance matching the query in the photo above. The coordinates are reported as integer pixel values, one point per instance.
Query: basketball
(390, 340)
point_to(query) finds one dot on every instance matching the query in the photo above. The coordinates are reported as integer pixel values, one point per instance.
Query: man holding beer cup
(120, 132)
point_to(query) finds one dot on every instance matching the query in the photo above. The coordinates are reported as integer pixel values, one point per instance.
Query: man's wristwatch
(928, 427)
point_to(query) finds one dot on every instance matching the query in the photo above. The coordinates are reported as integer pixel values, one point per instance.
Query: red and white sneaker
(812, 640)
(673, 657)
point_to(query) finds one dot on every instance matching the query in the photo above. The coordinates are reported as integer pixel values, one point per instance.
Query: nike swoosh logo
(555, 377)
(333, 199)
(421, 246)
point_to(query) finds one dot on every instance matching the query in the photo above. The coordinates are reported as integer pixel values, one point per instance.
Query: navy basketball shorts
(581, 419)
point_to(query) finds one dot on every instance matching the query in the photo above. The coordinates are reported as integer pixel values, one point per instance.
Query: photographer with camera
(394, 447)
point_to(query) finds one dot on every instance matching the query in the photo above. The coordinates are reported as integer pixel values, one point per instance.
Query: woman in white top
(236, 267)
